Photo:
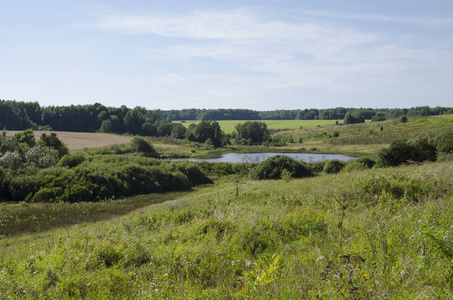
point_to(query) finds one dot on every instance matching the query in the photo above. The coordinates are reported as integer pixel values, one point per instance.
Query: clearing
(81, 140)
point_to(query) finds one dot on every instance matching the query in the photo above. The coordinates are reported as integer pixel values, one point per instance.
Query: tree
(178, 131)
(54, 142)
(380, 116)
(42, 157)
(257, 132)
(207, 130)
(106, 127)
(148, 129)
(134, 120)
(353, 118)
(163, 128)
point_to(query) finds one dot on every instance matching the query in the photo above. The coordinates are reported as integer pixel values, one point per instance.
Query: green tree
(353, 117)
(257, 132)
(106, 126)
(178, 131)
(54, 142)
(134, 120)
(380, 116)
(26, 137)
(42, 157)
(207, 130)
(444, 141)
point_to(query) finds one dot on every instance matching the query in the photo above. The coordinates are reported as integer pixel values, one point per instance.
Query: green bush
(317, 166)
(273, 167)
(333, 166)
(368, 162)
(71, 160)
(193, 173)
(361, 163)
(47, 195)
(402, 151)
(42, 157)
(444, 142)
(140, 145)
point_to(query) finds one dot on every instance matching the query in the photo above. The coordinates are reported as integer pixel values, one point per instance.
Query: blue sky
(261, 55)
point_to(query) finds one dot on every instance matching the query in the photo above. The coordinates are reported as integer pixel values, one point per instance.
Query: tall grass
(382, 233)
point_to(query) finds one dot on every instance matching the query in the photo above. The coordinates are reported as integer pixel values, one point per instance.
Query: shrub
(317, 166)
(193, 173)
(333, 166)
(11, 160)
(369, 162)
(47, 195)
(139, 145)
(402, 151)
(72, 160)
(54, 142)
(42, 156)
(273, 167)
(444, 142)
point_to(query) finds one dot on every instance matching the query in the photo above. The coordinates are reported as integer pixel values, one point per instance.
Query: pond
(259, 157)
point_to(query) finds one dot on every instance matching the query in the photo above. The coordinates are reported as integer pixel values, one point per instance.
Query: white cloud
(271, 55)
(414, 20)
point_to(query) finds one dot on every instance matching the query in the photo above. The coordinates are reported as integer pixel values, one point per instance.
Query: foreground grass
(18, 218)
(382, 233)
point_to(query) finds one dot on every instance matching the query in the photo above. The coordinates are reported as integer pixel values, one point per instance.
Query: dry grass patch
(81, 140)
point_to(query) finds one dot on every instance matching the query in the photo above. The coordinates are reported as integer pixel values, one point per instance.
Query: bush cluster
(422, 149)
(273, 167)
(79, 178)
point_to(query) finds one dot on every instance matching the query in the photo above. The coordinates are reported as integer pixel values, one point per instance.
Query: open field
(378, 233)
(364, 139)
(381, 234)
(81, 140)
(228, 126)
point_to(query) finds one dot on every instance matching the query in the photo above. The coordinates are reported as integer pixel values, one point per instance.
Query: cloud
(414, 20)
(236, 54)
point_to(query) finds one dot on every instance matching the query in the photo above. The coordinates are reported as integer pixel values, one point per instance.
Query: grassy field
(82, 140)
(229, 125)
(364, 139)
(371, 234)
(383, 234)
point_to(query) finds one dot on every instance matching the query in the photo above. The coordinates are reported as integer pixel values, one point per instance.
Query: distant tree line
(338, 113)
(96, 117)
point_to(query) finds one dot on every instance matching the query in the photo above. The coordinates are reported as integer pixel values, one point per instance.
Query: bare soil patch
(81, 140)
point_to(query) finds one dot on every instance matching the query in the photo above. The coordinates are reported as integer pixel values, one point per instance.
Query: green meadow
(228, 126)
(383, 233)
(362, 233)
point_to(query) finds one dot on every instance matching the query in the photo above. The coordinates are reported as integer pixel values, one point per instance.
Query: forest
(16, 115)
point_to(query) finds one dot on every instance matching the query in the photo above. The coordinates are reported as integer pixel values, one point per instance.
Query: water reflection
(259, 157)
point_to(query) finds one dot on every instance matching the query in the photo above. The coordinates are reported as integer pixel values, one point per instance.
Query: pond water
(259, 157)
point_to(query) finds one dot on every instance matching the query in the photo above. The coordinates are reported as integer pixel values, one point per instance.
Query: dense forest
(338, 113)
(15, 115)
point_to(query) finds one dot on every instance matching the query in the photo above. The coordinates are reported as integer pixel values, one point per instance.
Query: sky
(248, 54)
